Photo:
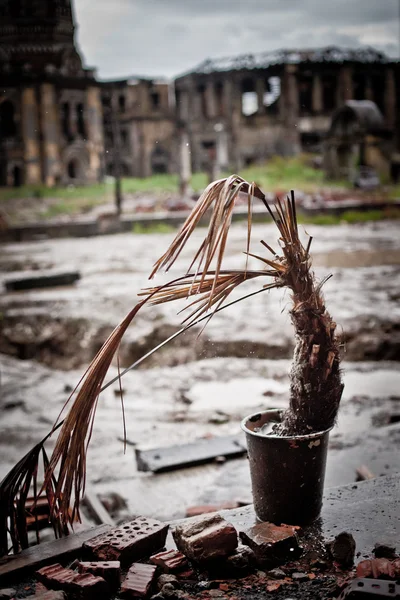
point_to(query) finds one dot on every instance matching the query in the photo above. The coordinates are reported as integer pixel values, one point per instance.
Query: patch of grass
(152, 228)
(351, 217)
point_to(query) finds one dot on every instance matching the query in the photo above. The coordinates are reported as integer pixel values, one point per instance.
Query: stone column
(260, 89)
(30, 134)
(185, 166)
(210, 100)
(51, 134)
(345, 87)
(317, 96)
(390, 97)
(95, 132)
(290, 109)
(369, 92)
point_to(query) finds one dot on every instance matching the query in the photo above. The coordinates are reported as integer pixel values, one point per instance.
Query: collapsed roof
(329, 54)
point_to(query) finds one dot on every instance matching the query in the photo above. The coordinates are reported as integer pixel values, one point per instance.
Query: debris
(271, 543)
(96, 509)
(171, 560)
(218, 418)
(378, 567)
(47, 552)
(384, 551)
(110, 571)
(363, 473)
(42, 281)
(134, 540)
(188, 575)
(167, 578)
(194, 511)
(363, 588)
(242, 558)
(343, 549)
(138, 581)
(277, 574)
(46, 594)
(205, 538)
(87, 585)
(200, 452)
(7, 593)
(300, 577)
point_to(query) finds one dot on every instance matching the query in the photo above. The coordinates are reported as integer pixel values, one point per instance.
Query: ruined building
(139, 127)
(50, 106)
(248, 108)
(59, 124)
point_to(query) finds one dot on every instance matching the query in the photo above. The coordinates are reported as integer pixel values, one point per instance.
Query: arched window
(65, 113)
(8, 126)
(17, 176)
(72, 168)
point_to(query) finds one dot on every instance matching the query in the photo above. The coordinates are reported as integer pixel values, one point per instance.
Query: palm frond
(15, 488)
(69, 455)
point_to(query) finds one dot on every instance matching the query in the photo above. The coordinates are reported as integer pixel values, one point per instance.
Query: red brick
(138, 581)
(194, 511)
(188, 575)
(271, 543)
(85, 584)
(170, 561)
(206, 537)
(49, 595)
(110, 571)
(131, 541)
(379, 567)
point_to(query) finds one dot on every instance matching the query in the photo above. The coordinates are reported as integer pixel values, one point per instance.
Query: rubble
(48, 595)
(138, 581)
(171, 560)
(110, 571)
(384, 551)
(131, 541)
(88, 586)
(206, 538)
(271, 543)
(241, 559)
(7, 593)
(343, 549)
(167, 578)
(379, 567)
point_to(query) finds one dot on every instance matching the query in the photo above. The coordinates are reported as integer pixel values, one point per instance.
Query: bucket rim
(280, 411)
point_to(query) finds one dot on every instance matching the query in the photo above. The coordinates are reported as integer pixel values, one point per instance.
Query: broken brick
(86, 585)
(194, 511)
(7, 593)
(170, 561)
(188, 575)
(129, 542)
(49, 595)
(343, 549)
(299, 577)
(271, 543)
(138, 581)
(242, 558)
(379, 568)
(205, 538)
(110, 571)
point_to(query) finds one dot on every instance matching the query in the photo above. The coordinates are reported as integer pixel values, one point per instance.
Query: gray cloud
(168, 37)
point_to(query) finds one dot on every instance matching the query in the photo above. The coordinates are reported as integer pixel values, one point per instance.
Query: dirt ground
(196, 386)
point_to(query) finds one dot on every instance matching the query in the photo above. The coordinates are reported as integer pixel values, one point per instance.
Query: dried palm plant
(315, 388)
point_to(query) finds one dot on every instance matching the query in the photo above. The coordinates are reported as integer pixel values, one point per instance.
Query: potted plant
(287, 449)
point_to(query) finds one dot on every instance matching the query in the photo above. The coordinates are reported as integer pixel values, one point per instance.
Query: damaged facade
(248, 108)
(50, 106)
(59, 125)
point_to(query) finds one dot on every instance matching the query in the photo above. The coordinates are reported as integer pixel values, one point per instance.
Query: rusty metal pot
(287, 473)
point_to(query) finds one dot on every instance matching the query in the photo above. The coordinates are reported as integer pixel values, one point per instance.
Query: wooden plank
(42, 281)
(96, 509)
(15, 565)
(199, 452)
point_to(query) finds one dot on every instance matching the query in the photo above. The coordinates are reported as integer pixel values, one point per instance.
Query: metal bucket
(287, 473)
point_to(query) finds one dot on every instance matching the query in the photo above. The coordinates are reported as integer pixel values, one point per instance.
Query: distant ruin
(61, 125)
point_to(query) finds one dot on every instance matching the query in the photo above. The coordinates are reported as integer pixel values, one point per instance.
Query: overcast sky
(168, 37)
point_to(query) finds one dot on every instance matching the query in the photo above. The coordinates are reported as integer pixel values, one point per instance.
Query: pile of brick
(130, 561)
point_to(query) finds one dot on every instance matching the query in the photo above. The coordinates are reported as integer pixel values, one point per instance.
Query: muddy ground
(196, 386)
